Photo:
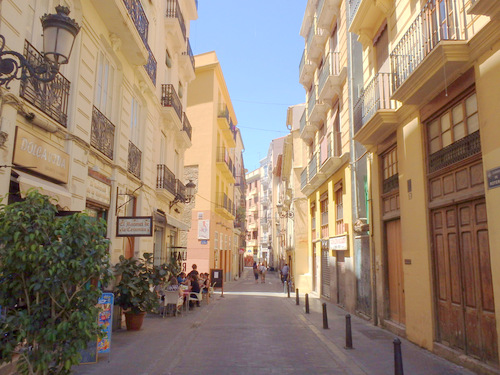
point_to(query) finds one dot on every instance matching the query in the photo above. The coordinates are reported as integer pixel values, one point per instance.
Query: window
(313, 221)
(339, 209)
(324, 215)
(104, 85)
(134, 121)
(216, 241)
(390, 170)
(180, 90)
(456, 123)
(163, 149)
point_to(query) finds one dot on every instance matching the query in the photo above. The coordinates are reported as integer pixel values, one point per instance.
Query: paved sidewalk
(255, 329)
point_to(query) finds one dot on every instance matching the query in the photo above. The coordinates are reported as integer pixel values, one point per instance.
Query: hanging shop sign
(134, 226)
(31, 151)
(339, 242)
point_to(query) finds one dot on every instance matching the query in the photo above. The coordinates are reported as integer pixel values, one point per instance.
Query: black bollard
(325, 317)
(398, 359)
(288, 288)
(307, 303)
(297, 297)
(348, 333)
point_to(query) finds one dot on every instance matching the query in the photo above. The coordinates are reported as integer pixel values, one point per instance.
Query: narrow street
(255, 329)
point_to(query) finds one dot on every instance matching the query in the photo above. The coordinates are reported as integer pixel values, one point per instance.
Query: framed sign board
(216, 276)
(134, 226)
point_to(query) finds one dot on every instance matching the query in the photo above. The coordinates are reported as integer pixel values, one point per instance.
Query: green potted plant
(135, 291)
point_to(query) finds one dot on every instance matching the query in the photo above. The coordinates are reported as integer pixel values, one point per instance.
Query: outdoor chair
(172, 298)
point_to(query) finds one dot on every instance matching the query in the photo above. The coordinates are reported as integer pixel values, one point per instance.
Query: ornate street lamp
(190, 186)
(59, 33)
(284, 213)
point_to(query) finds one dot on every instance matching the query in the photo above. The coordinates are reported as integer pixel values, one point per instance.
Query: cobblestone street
(253, 329)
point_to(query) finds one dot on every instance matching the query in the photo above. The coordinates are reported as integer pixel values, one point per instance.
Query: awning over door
(176, 223)
(60, 196)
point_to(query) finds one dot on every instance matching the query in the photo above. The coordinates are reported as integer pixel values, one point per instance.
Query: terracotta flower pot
(134, 321)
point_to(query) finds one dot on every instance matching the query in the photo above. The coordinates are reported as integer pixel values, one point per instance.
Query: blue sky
(259, 49)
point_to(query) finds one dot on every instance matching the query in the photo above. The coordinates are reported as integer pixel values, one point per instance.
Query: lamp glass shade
(59, 33)
(190, 186)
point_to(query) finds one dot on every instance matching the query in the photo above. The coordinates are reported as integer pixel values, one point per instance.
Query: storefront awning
(61, 196)
(176, 223)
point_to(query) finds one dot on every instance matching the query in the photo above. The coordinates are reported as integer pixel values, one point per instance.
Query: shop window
(339, 209)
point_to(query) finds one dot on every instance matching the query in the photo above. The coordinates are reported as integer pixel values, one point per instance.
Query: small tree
(49, 267)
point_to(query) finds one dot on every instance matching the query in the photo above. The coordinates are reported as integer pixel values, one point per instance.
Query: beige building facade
(109, 134)
(211, 243)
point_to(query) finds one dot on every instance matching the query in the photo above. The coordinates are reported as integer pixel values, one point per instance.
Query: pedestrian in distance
(284, 273)
(263, 270)
(256, 272)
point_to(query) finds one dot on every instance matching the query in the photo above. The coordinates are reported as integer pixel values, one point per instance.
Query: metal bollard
(307, 303)
(297, 297)
(288, 289)
(325, 317)
(398, 359)
(348, 333)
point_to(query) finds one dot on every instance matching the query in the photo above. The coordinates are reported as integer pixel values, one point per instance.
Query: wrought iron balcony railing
(174, 11)
(103, 133)
(169, 98)
(375, 96)
(49, 97)
(313, 166)
(180, 190)
(468, 146)
(151, 65)
(311, 102)
(165, 178)
(223, 112)
(433, 25)
(134, 160)
(302, 121)
(186, 126)
(139, 18)
(189, 52)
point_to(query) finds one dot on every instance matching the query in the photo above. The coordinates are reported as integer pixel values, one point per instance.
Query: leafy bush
(49, 267)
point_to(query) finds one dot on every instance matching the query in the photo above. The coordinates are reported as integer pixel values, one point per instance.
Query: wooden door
(395, 278)
(340, 271)
(463, 285)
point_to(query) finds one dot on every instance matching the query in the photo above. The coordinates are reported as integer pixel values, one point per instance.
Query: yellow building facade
(211, 241)
(113, 121)
(427, 115)
(326, 176)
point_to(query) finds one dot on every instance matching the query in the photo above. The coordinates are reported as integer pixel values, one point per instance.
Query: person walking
(284, 273)
(256, 272)
(263, 270)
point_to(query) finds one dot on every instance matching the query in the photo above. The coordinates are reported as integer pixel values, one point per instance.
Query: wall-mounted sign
(203, 229)
(339, 243)
(98, 191)
(493, 176)
(134, 226)
(31, 151)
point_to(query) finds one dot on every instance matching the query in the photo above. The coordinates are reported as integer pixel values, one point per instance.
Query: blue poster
(105, 320)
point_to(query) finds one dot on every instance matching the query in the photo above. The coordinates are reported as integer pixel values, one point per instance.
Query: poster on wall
(105, 305)
(203, 229)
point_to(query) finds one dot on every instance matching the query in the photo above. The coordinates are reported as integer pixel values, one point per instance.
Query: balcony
(306, 70)
(172, 106)
(327, 12)
(226, 125)
(367, 16)
(252, 243)
(130, 24)
(49, 97)
(316, 109)
(331, 78)
(134, 160)
(375, 112)
(316, 39)
(225, 206)
(103, 133)
(180, 190)
(165, 180)
(175, 25)
(306, 130)
(489, 8)
(187, 62)
(434, 43)
(150, 67)
(225, 164)
(186, 127)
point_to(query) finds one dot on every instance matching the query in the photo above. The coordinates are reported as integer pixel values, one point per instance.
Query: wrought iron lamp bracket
(14, 65)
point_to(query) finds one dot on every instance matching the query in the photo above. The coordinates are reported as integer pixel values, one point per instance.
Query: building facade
(425, 112)
(211, 242)
(109, 134)
(253, 219)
